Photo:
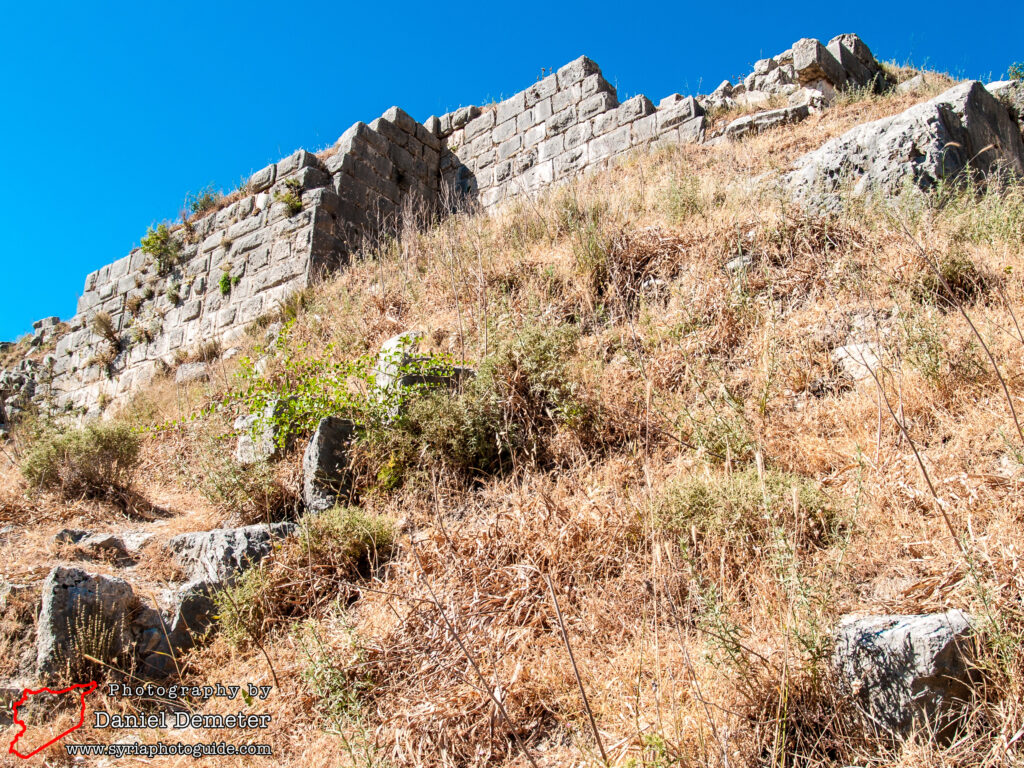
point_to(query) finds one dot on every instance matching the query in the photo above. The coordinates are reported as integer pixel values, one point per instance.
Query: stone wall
(565, 124)
(375, 178)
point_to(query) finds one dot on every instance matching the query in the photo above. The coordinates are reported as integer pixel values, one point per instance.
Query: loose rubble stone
(921, 146)
(857, 360)
(761, 121)
(219, 554)
(325, 464)
(907, 672)
(73, 600)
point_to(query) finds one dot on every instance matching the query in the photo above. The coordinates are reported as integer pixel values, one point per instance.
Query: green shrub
(508, 412)
(291, 197)
(94, 461)
(1016, 71)
(250, 493)
(161, 244)
(225, 283)
(204, 200)
(174, 293)
(330, 549)
(736, 508)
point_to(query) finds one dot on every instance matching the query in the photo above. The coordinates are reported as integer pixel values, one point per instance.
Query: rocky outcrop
(325, 464)
(965, 128)
(907, 672)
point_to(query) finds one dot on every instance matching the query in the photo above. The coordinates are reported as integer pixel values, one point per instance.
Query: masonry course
(373, 178)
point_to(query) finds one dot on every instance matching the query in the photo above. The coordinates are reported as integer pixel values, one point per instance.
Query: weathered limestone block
(220, 554)
(921, 146)
(258, 440)
(76, 604)
(813, 62)
(761, 121)
(325, 464)
(907, 672)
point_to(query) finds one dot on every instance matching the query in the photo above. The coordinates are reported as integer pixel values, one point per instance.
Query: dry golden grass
(697, 643)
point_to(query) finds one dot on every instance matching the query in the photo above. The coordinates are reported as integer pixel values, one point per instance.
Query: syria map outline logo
(86, 689)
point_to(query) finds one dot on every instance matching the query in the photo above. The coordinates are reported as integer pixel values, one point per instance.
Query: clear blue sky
(111, 112)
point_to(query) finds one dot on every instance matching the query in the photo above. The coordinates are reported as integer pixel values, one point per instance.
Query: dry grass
(739, 494)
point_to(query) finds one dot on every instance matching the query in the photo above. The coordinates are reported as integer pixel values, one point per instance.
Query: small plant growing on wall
(174, 294)
(1016, 71)
(204, 200)
(102, 325)
(133, 304)
(162, 246)
(291, 197)
(225, 283)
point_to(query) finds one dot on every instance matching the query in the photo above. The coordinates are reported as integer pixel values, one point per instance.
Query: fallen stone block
(325, 464)
(906, 673)
(219, 554)
(81, 610)
(761, 121)
(258, 440)
(812, 62)
(191, 372)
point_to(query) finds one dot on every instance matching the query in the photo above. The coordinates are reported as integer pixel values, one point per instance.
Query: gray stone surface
(258, 440)
(325, 464)
(760, 121)
(192, 372)
(906, 672)
(73, 602)
(361, 190)
(219, 554)
(927, 143)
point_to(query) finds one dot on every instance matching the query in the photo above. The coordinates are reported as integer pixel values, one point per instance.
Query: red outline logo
(88, 688)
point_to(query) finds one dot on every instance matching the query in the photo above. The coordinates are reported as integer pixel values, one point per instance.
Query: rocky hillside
(707, 452)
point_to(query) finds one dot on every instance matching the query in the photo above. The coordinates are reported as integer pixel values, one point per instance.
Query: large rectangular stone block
(534, 135)
(596, 104)
(505, 131)
(855, 70)
(510, 147)
(610, 144)
(510, 108)
(560, 121)
(571, 161)
(596, 84)
(480, 124)
(579, 134)
(812, 62)
(566, 98)
(541, 90)
(634, 108)
(263, 179)
(575, 71)
(643, 130)
(551, 148)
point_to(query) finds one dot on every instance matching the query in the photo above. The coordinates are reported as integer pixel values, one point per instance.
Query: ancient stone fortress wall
(266, 251)
(567, 123)
(363, 187)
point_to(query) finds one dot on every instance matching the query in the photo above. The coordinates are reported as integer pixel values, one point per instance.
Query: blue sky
(110, 113)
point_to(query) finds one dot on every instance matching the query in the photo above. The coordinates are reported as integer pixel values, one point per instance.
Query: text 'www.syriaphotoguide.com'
(163, 749)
